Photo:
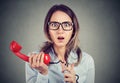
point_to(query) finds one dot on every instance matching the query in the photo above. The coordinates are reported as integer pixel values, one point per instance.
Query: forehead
(60, 16)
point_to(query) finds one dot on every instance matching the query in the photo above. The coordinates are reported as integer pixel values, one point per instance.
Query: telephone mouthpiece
(15, 47)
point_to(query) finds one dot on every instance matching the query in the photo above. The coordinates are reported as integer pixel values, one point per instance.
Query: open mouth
(60, 38)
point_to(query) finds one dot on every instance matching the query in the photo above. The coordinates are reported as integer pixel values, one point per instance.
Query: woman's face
(59, 36)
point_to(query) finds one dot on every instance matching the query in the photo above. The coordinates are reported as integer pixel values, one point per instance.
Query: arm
(33, 76)
(32, 73)
(90, 76)
(91, 71)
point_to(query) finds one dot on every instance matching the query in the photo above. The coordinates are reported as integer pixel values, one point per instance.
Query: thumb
(72, 66)
(63, 67)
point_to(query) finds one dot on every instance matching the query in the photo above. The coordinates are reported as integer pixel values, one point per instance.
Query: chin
(60, 45)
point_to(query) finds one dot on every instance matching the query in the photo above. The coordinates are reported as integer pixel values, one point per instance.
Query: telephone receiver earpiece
(15, 48)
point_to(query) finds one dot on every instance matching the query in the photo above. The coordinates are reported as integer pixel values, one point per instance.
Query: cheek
(52, 35)
(68, 35)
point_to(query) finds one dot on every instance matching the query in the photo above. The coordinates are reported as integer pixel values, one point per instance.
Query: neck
(60, 51)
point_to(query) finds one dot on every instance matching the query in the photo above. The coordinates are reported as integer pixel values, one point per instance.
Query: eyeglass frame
(61, 25)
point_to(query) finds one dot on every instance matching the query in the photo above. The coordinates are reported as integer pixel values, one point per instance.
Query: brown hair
(74, 41)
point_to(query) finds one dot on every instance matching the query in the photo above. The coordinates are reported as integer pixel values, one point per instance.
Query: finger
(63, 68)
(42, 57)
(70, 68)
(31, 59)
(38, 59)
(72, 65)
(69, 77)
(34, 60)
(68, 80)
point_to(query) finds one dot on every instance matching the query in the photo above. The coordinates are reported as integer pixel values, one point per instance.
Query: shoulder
(86, 57)
(87, 60)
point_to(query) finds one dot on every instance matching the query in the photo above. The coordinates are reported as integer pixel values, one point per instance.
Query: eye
(67, 24)
(54, 24)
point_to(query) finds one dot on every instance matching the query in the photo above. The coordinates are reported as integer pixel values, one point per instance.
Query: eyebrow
(61, 22)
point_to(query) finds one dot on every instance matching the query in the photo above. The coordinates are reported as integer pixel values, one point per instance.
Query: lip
(60, 38)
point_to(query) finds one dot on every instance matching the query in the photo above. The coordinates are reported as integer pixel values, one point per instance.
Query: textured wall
(22, 20)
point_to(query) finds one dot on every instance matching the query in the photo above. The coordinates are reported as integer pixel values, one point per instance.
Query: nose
(60, 29)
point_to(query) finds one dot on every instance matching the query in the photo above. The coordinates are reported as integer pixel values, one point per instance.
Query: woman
(72, 65)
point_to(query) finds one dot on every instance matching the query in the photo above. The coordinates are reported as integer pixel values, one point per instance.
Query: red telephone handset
(15, 48)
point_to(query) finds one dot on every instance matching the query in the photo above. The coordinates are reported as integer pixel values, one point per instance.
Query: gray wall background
(22, 20)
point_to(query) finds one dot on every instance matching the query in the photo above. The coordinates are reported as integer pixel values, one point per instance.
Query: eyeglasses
(67, 26)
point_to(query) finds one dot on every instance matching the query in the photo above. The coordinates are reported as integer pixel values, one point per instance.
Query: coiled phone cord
(60, 61)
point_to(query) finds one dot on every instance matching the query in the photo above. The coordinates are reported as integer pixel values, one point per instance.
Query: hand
(69, 74)
(36, 61)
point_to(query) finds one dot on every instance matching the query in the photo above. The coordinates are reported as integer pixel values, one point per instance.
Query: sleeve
(91, 71)
(33, 76)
